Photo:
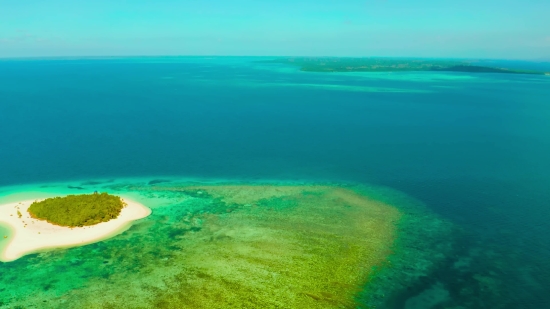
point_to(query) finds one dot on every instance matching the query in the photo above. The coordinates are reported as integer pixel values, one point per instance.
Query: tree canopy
(78, 210)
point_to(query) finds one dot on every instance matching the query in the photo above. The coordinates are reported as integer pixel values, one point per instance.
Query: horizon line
(253, 56)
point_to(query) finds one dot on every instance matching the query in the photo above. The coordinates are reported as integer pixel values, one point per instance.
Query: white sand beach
(30, 235)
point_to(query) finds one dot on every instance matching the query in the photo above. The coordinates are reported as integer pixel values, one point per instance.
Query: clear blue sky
(421, 28)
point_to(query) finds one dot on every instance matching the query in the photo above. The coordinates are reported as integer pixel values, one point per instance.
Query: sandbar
(29, 235)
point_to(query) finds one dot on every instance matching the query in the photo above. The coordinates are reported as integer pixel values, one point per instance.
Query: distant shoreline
(396, 65)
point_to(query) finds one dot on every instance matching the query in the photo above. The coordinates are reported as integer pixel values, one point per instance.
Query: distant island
(78, 210)
(330, 64)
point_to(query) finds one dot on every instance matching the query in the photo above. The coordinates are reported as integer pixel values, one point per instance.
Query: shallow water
(472, 148)
(252, 245)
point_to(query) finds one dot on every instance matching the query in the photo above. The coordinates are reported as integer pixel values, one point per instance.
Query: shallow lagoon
(243, 245)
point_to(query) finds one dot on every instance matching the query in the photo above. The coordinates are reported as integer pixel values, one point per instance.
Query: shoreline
(5, 230)
(27, 235)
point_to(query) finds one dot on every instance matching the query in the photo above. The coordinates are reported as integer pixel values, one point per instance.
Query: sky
(510, 29)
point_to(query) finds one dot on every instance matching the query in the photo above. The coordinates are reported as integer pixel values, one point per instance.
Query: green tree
(78, 210)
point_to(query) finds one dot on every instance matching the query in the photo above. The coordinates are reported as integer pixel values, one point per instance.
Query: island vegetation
(335, 64)
(78, 210)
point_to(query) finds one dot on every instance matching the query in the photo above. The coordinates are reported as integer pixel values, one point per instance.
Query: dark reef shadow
(157, 181)
(95, 183)
(76, 187)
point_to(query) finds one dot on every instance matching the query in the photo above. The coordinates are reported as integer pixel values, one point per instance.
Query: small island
(78, 210)
(382, 64)
(68, 221)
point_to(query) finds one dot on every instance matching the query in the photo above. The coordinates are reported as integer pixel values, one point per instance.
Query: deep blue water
(474, 148)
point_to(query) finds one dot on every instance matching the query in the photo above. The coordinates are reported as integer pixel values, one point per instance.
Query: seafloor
(239, 245)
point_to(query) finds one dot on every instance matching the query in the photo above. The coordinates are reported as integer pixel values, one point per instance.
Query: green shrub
(78, 210)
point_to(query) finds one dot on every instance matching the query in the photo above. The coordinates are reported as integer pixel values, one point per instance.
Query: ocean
(471, 148)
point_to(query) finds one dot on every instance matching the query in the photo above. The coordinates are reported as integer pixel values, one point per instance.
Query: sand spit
(30, 235)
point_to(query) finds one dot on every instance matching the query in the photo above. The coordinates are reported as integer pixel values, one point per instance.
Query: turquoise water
(472, 148)
(180, 257)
